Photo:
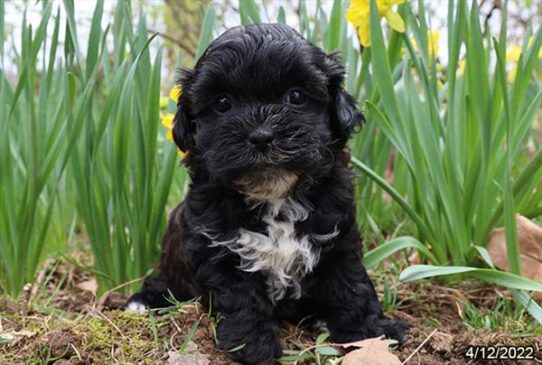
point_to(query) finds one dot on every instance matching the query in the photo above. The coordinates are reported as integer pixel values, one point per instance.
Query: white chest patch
(280, 253)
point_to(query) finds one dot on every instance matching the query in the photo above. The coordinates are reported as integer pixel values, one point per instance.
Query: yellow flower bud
(175, 93)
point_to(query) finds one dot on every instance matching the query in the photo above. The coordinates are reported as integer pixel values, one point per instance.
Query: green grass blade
(502, 278)
(394, 194)
(94, 37)
(333, 31)
(484, 253)
(249, 12)
(206, 33)
(382, 70)
(281, 18)
(383, 251)
(529, 303)
(512, 244)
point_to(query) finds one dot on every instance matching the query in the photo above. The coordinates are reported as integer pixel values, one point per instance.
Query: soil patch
(62, 322)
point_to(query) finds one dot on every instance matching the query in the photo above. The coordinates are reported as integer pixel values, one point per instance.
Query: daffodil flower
(163, 102)
(513, 53)
(433, 37)
(461, 67)
(167, 120)
(175, 93)
(358, 15)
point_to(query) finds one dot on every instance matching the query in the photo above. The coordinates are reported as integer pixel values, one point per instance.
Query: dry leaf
(530, 248)
(175, 358)
(373, 351)
(89, 285)
(14, 337)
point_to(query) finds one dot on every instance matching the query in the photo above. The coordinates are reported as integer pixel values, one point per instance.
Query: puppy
(267, 231)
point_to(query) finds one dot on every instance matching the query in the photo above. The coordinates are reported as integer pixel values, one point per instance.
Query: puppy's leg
(153, 294)
(239, 300)
(349, 303)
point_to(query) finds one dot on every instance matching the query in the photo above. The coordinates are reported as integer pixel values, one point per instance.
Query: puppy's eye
(297, 97)
(222, 105)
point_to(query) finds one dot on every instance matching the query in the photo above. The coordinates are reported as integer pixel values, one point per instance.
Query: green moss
(130, 335)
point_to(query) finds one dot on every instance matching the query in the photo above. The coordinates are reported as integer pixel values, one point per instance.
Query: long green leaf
(377, 255)
(505, 279)
(206, 33)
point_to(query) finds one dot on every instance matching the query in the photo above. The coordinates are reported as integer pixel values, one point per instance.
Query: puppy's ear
(183, 128)
(344, 113)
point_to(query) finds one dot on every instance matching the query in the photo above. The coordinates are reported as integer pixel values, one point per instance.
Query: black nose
(261, 137)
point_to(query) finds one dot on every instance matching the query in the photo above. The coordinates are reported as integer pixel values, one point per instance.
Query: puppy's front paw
(394, 328)
(250, 345)
(391, 328)
(135, 307)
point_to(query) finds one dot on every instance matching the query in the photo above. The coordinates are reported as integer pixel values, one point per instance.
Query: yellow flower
(163, 102)
(433, 37)
(358, 15)
(513, 53)
(167, 120)
(175, 93)
(461, 68)
(169, 135)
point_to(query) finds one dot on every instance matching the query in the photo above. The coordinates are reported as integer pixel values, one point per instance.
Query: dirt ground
(60, 321)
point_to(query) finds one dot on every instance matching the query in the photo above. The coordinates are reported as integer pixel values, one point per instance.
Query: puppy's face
(263, 110)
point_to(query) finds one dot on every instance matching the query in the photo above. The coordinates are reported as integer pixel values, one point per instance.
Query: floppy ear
(343, 111)
(346, 114)
(183, 128)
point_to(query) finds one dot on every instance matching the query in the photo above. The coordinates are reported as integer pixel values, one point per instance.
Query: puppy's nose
(261, 137)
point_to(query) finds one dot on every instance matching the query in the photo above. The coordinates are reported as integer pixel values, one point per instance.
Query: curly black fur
(256, 67)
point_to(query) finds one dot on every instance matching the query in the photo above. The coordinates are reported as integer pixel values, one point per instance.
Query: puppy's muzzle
(261, 138)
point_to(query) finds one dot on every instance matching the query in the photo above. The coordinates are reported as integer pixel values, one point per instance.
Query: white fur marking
(136, 308)
(280, 254)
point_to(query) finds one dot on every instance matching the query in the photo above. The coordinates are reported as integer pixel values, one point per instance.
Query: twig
(419, 347)
(76, 352)
(177, 42)
(103, 316)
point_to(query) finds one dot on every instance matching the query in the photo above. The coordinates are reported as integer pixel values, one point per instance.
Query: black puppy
(267, 231)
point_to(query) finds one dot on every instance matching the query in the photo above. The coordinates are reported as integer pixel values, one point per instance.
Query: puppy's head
(263, 110)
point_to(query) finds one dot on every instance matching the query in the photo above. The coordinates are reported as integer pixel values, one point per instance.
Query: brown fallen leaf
(89, 285)
(530, 248)
(373, 351)
(14, 337)
(174, 358)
